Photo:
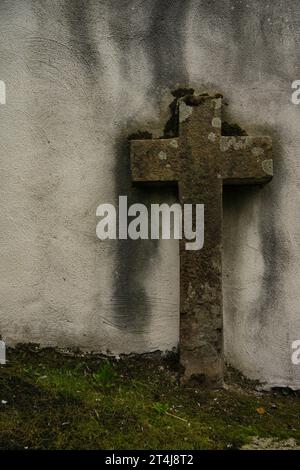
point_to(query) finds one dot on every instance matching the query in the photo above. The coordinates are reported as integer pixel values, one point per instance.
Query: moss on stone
(57, 401)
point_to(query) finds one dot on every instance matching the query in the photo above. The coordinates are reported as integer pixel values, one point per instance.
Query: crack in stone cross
(200, 160)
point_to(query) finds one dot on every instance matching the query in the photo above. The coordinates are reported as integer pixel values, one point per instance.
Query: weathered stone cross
(200, 160)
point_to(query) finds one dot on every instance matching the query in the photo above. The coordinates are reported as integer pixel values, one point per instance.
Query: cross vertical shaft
(201, 323)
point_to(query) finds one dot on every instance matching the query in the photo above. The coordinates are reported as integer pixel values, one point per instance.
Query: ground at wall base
(53, 401)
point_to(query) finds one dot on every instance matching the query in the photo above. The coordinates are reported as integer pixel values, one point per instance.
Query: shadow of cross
(200, 160)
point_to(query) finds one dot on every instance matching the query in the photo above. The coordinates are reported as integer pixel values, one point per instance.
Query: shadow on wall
(163, 44)
(78, 15)
(131, 305)
(274, 250)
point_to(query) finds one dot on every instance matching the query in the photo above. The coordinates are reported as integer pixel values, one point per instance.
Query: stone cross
(200, 160)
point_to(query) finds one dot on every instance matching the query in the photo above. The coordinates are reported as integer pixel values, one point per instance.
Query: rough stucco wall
(81, 76)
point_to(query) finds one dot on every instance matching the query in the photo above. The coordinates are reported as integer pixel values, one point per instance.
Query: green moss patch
(53, 401)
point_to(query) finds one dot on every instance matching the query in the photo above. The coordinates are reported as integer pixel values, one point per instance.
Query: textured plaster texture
(80, 77)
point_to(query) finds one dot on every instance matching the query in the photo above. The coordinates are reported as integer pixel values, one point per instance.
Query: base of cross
(200, 160)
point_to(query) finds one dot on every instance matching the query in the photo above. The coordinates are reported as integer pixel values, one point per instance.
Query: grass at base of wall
(52, 401)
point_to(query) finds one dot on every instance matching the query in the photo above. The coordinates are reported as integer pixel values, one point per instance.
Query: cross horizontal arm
(154, 160)
(246, 160)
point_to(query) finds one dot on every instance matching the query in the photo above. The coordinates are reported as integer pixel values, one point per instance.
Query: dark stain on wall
(162, 37)
(164, 45)
(77, 14)
(131, 305)
(258, 29)
(274, 249)
(276, 253)
(166, 41)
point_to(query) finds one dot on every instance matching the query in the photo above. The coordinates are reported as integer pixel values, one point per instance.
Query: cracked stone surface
(200, 160)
